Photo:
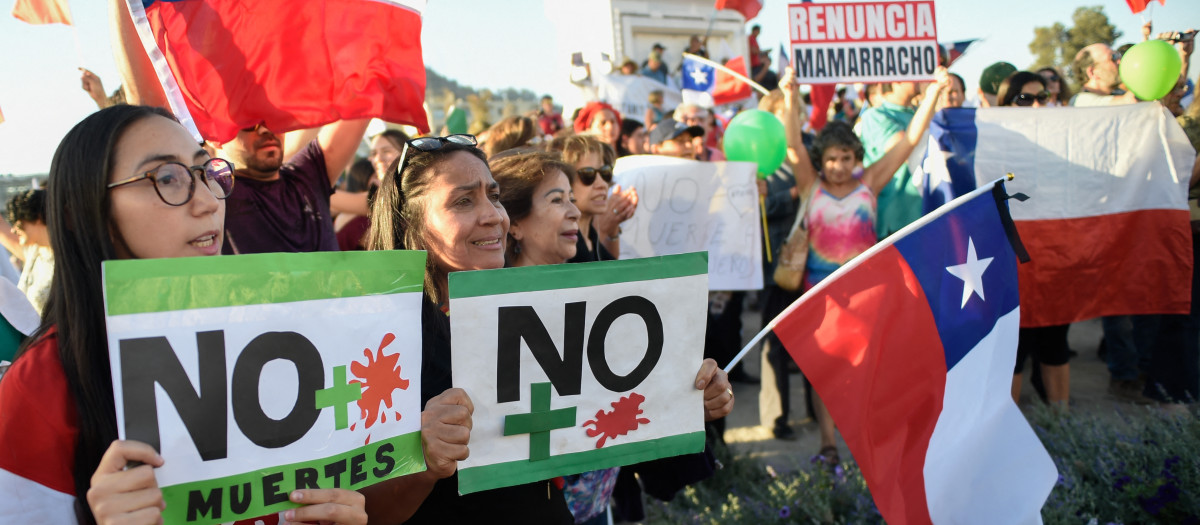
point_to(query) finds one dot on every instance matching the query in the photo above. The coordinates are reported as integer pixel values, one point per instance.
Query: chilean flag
(1106, 223)
(42, 11)
(289, 65)
(952, 51)
(709, 86)
(748, 8)
(911, 345)
(1137, 6)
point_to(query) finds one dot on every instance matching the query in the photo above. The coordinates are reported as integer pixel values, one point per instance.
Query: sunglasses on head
(588, 175)
(432, 144)
(1026, 99)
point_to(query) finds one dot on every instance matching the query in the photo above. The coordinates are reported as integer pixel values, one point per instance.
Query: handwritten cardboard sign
(863, 41)
(254, 375)
(578, 367)
(687, 206)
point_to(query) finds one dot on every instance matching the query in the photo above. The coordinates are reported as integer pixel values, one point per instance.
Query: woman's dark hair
(78, 219)
(398, 213)
(518, 176)
(1011, 87)
(27, 206)
(358, 177)
(628, 127)
(1064, 89)
(835, 133)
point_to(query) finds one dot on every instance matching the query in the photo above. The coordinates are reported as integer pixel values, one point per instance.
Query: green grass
(1132, 467)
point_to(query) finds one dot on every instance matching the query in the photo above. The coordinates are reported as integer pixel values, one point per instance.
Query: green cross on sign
(539, 422)
(338, 395)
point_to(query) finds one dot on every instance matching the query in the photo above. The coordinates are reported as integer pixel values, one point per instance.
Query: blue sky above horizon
(480, 44)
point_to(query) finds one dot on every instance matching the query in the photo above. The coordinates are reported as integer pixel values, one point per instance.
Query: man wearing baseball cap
(989, 82)
(675, 139)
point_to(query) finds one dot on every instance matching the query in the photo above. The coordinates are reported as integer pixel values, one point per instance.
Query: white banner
(578, 367)
(687, 206)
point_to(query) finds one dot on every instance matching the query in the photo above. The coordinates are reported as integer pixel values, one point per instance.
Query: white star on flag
(971, 273)
(698, 76)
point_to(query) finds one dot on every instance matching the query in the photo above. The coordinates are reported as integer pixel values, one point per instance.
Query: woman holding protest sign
(445, 200)
(840, 194)
(123, 185)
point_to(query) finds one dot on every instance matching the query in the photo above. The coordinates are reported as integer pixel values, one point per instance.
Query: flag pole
(762, 205)
(75, 35)
(739, 76)
(852, 263)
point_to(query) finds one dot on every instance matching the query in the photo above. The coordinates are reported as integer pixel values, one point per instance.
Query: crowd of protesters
(129, 182)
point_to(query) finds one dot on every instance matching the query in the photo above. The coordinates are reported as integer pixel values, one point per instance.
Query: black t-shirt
(598, 253)
(288, 214)
(538, 502)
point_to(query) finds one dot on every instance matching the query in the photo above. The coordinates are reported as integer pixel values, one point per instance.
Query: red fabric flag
(821, 95)
(1137, 6)
(291, 65)
(730, 88)
(42, 11)
(748, 8)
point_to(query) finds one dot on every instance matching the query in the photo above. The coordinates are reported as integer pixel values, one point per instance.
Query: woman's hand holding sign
(445, 431)
(327, 507)
(718, 393)
(121, 495)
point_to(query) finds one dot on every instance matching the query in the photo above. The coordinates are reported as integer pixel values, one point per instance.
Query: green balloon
(1151, 69)
(756, 136)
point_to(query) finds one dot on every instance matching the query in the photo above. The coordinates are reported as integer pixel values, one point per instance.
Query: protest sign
(687, 206)
(863, 42)
(578, 367)
(227, 366)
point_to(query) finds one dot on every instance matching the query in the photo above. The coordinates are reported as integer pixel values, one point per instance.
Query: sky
(483, 43)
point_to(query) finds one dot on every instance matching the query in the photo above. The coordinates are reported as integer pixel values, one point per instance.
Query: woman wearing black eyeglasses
(444, 200)
(128, 182)
(1024, 89)
(600, 214)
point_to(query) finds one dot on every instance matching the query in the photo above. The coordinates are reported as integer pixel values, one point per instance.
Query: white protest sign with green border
(254, 375)
(578, 367)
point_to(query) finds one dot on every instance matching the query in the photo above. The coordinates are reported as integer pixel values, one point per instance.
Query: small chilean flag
(710, 86)
(1137, 6)
(911, 345)
(1106, 223)
(748, 8)
(289, 65)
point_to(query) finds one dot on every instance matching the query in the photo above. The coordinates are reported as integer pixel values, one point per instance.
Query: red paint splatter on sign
(380, 377)
(622, 420)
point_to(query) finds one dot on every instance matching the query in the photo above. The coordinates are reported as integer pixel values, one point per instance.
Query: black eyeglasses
(175, 183)
(1026, 99)
(1051, 77)
(588, 175)
(432, 144)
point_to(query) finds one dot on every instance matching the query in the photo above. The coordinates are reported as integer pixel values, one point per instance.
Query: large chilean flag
(290, 65)
(1106, 223)
(911, 346)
